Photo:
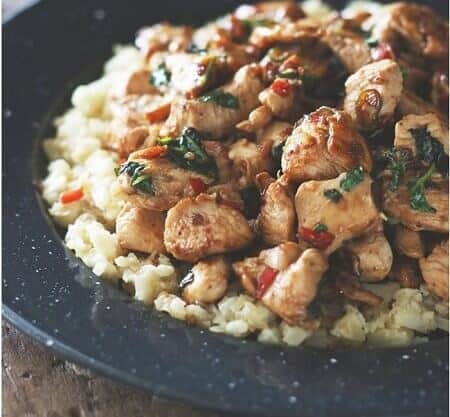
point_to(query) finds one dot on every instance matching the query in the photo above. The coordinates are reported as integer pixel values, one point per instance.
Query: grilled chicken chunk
(408, 242)
(288, 107)
(141, 230)
(277, 11)
(435, 270)
(209, 281)
(200, 226)
(410, 103)
(277, 220)
(353, 214)
(374, 256)
(210, 117)
(372, 94)
(430, 124)
(406, 272)
(324, 144)
(137, 82)
(295, 287)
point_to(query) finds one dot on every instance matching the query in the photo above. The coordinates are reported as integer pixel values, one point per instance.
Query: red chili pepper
(71, 196)
(159, 114)
(320, 240)
(151, 153)
(265, 280)
(382, 51)
(281, 87)
(198, 186)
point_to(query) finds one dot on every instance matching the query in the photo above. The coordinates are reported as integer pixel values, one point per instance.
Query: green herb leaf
(333, 195)
(143, 183)
(396, 163)
(372, 42)
(160, 76)
(291, 74)
(139, 180)
(320, 227)
(276, 152)
(221, 98)
(417, 199)
(428, 148)
(188, 153)
(195, 49)
(352, 178)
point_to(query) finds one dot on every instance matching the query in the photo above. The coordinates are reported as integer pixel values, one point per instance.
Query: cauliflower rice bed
(78, 159)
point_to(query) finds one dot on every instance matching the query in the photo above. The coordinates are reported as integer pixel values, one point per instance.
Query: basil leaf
(290, 74)
(221, 98)
(143, 183)
(160, 76)
(396, 163)
(417, 199)
(333, 195)
(195, 49)
(320, 227)
(276, 153)
(372, 42)
(352, 178)
(140, 181)
(428, 148)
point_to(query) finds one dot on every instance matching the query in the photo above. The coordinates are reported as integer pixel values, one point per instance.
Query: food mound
(280, 173)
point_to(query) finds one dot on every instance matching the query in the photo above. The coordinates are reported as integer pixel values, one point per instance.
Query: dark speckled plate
(47, 293)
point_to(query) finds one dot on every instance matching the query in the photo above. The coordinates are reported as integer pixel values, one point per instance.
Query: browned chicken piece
(199, 227)
(435, 270)
(303, 31)
(209, 281)
(219, 152)
(410, 103)
(405, 137)
(128, 139)
(348, 285)
(396, 204)
(406, 272)
(249, 159)
(289, 107)
(408, 242)
(227, 194)
(372, 94)
(277, 220)
(323, 145)
(278, 258)
(210, 117)
(257, 119)
(277, 11)
(141, 230)
(274, 132)
(163, 36)
(414, 27)
(353, 214)
(295, 287)
(136, 83)
(439, 91)
(374, 256)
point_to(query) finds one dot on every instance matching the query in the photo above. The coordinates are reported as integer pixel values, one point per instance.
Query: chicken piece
(275, 132)
(374, 256)
(396, 204)
(141, 230)
(323, 145)
(129, 139)
(249, 159)
(413, 27)
(412, 130)
(208, 281)
(219, 152)
(135, 83)
(295, 287)
(257, 119)
(163, 36)
(410, 103)
(406, 272)
(278, 258)
(408, 242)
(372, 94)
(199, 227)
(210, 117)
(303, 31)
(277, 11)
(227, 194)
(440, 91)
(435, 270)
(352, 215)
(287, 107)
(277, 220)
(348, 285)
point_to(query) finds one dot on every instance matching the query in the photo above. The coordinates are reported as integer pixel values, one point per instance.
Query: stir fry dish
(280, 173)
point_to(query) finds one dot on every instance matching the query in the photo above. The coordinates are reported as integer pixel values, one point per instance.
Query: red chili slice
(382, 51)
(159, 114)
(281, 87)
(71, 196)
(265, 280)
(198, 186)
(320, 240)
(151, 153)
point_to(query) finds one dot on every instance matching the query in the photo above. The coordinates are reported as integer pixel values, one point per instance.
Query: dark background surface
(48, 294)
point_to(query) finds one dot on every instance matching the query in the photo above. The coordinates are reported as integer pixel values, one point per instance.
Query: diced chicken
(406, 272)
(257, 119)
(275, 132)
(408, 242)
(324, 145)
(435, 270)
(374, 256)
(210, 117)
(397, 205)
(209, 281)
(277, 11)
(372, 94)
(277, 258)
(141, 230)
(404, 137)
(199, 227)
(277, 220)
(129, 139)
(227, 194)
(163, 36)
(295, 288)
(137, 82)
(219, 152)
(351, 216)
(440, 91)
(287, 107)
(348, 285)
(249, 159)
(410, 103)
